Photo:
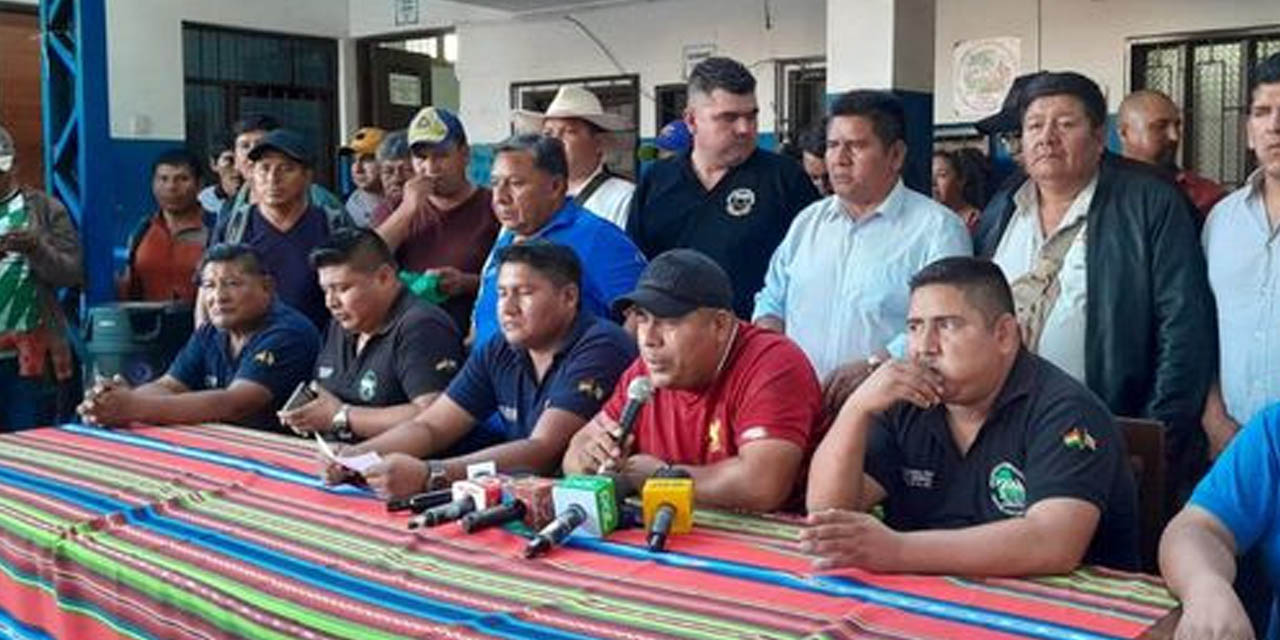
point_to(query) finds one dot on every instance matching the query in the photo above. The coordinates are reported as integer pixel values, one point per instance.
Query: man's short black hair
(242, 254)
(981, 281)
(254, 122)
(883, 109)
(548, 153)
(813, 140)
(725, 74)
(1267, 71)
(217, 147)
(178, 157)
(1055, 83)
(361, 249)
(558, 263)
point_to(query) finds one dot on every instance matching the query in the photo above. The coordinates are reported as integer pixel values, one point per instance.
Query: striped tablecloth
(218, 532)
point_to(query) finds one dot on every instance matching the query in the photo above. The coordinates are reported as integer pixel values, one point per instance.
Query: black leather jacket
(1151, 332)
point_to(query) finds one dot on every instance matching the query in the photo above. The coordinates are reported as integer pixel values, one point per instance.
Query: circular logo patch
(1008, 489)
(739, 202)
(368, 385)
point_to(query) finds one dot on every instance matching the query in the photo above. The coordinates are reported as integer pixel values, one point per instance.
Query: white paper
(359, 463)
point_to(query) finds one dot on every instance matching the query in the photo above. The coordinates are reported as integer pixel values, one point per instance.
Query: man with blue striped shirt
(837, 285)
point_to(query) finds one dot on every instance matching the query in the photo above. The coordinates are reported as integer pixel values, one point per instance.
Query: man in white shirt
(576, 118)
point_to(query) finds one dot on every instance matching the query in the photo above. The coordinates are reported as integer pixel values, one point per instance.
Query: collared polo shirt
(417, 351)
(278, 357)
(738, 222)
(1062, 340)
(1240, 491)
(1242, 252)
(500, 377)
(840, 285)
(1047, 436)
(611, 264)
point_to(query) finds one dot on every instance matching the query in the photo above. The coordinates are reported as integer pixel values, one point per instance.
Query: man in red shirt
(1150, 130)
(734, 405)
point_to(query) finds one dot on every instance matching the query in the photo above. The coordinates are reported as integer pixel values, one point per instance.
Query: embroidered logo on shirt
(508, 413)
(1079, 439)
(447, 364)
(755, 433)
(324, 373)
(917, 478)
(739, 202)
(713, 437)
(368, 385)
(591, 389)
(1008, 489)
(211, 382)
(265, 357)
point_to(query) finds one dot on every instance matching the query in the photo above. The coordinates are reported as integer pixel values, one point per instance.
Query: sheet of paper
(355, 463)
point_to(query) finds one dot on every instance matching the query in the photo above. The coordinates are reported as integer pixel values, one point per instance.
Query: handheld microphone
(420, 502)
(668, 507)
(638, 393)
(535, 493)
(436, 516)
(492, 517)
(555, 533)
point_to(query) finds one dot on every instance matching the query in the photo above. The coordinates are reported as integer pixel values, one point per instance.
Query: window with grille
(1208, 78)
(233, 73)
(800, 100)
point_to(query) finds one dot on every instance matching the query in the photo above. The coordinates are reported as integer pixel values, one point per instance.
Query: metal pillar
(77, 149)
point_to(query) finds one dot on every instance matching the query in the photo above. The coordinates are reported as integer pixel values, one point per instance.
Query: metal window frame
(782, 116)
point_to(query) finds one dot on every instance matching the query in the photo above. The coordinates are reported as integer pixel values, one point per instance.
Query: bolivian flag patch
(1079, 439)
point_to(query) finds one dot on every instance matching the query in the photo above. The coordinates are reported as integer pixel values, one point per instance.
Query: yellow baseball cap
(364, 142)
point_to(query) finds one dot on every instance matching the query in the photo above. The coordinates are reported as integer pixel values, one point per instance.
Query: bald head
(1150, 128)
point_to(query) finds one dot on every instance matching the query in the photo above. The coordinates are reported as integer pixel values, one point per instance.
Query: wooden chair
(1145, 441)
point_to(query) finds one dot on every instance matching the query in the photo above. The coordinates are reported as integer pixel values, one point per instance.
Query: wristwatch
(437, 475)
(342, 424)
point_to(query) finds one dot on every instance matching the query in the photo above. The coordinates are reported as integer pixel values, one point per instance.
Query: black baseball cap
(677, 282)
(1009, 117)
(286, 141)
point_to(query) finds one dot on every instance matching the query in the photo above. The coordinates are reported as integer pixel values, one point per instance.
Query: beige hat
(571, 102)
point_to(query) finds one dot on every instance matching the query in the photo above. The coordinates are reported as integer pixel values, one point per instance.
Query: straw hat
(570, 102)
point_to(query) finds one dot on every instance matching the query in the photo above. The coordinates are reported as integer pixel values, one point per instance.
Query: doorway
(401, 74)
(20, 101)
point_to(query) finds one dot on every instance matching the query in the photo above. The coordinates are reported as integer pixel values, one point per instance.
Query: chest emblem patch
(714, 441)
(1008, 489)
(368, 385)
(917, 478)
(447, 365)
(739, 202)
(591, 389)
(265, 358)
(324, 373)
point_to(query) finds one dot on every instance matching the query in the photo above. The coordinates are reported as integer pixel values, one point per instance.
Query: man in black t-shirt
(726, 198)
(988, 459)
(386, 355)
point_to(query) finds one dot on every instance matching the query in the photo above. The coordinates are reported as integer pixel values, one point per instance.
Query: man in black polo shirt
(387, 354)
(725, 197)
(542, 379)
(988, 459)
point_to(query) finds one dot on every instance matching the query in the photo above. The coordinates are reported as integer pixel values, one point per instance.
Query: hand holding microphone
(639, 391)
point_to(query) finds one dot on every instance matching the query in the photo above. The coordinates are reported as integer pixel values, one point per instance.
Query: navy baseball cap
(677, 282)
(286, 141)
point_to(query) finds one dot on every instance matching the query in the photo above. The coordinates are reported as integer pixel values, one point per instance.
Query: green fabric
(18, 309)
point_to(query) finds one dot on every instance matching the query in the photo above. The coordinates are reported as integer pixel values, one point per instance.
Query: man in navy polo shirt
(530, 176)
(545, 376)
(284, 225)
(988, 459)
(239, 367)
(726, 198)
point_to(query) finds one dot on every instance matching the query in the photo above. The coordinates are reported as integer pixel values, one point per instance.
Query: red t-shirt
(165, 262)
(767, 390)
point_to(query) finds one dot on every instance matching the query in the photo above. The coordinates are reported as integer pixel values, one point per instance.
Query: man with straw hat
(576, 118)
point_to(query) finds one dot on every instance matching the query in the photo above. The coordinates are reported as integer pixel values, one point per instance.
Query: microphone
(436, 516)
(668, 506)
(588, 504)
(492, 517)
(535, 493)
(638, 393)
(420, 502)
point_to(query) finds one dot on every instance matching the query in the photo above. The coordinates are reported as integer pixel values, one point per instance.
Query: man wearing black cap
(1108, 279)
(283, 226)
(734, 405)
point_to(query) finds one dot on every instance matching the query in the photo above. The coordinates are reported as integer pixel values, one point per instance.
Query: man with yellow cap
(363, 149)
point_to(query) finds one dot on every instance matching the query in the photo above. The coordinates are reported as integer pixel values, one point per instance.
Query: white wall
(377, 17)
(646, 38)
(1088, 36)
(144, 51)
